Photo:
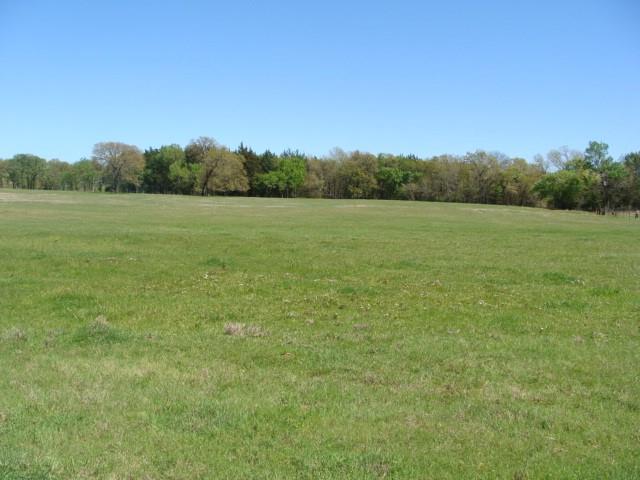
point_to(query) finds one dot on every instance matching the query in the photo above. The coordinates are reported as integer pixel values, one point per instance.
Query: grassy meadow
(152, 337)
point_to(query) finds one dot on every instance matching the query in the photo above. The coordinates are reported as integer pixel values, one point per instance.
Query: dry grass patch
(14, 334)
(236, 329)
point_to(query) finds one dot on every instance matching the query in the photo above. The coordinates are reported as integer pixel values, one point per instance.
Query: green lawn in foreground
(403, 340)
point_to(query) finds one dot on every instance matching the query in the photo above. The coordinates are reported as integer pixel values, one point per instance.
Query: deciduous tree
(122, 164)
(222, 171)
(157, 168)
(196, 151)
(26, 170)
(88, 175)
(229, 175)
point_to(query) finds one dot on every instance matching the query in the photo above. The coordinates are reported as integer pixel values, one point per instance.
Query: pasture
(150, 336)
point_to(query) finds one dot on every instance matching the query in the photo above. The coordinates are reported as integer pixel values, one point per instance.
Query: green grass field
(380, 339)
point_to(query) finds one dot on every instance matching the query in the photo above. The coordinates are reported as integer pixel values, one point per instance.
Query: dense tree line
(565, 179)
(591, 180)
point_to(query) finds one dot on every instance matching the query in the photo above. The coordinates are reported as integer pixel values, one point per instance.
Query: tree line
(565, 178)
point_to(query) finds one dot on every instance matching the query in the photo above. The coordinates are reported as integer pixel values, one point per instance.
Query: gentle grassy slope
(405, 340)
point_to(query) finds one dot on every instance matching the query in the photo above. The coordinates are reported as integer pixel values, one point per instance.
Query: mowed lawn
(380, 339)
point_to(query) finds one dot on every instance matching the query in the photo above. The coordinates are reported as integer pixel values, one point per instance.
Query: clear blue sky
(390, 76)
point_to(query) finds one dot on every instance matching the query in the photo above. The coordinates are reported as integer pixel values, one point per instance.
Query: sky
(412, 77)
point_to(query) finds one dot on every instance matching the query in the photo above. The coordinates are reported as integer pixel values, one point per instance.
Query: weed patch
(99, 331)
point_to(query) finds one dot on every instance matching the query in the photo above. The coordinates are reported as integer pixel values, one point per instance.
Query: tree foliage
(156, 176)
(122, 165)
(227, 172)
(589, 180)
(26, 171)
(222, 171)
(632, 187)
(285, 180)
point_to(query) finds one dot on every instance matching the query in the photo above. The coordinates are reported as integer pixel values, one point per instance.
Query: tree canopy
(589, 179)
(122, 165)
